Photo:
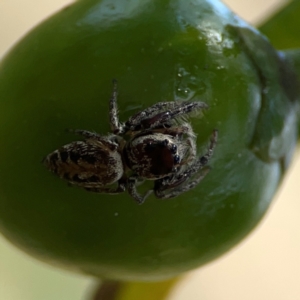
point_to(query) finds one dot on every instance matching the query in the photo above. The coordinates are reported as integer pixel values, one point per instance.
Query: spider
(154, 144)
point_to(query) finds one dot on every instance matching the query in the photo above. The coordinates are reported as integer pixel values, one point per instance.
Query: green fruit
(59, 76)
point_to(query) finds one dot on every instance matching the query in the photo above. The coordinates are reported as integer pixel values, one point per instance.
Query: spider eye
(165, 142)
(173, 148)
(149, 146)
(176, 159)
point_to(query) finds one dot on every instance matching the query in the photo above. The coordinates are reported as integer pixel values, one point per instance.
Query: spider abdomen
(85, 164)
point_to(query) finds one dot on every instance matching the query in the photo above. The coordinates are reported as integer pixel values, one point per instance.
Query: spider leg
(112, 191)
(94, 138)
(192, 146)
(162, 112)
(149, 112)
(179, 184)
(207, 156)
(132, 181)
(184, 128)
(179, 190)
(116, 126)
(87, 134)
(203, 160)
(174, 131)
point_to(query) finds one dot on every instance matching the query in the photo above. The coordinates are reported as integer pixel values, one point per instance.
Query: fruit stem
(117, 290)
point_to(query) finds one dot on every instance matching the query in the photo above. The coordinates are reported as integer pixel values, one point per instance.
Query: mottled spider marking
(85, 164)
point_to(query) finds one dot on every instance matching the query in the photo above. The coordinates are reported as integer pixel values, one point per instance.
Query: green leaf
(282, 29)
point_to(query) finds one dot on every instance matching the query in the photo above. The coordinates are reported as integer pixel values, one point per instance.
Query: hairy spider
(159, 146)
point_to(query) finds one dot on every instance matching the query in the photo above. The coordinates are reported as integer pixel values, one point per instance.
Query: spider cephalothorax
(154, 144)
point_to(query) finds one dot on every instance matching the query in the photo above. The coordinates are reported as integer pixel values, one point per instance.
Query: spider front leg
(105, 190)
(180, 183)
(162, 112)
(179, 186)
(87, 134)
(131, 186)
(115, 125)
(110, 142)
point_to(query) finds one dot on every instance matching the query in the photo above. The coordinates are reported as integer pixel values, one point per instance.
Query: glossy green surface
(59, 76)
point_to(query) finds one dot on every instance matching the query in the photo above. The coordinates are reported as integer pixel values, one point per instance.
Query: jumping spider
(158, 147)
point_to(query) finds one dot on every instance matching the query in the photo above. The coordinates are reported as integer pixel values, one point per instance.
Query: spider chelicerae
(155, 144)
